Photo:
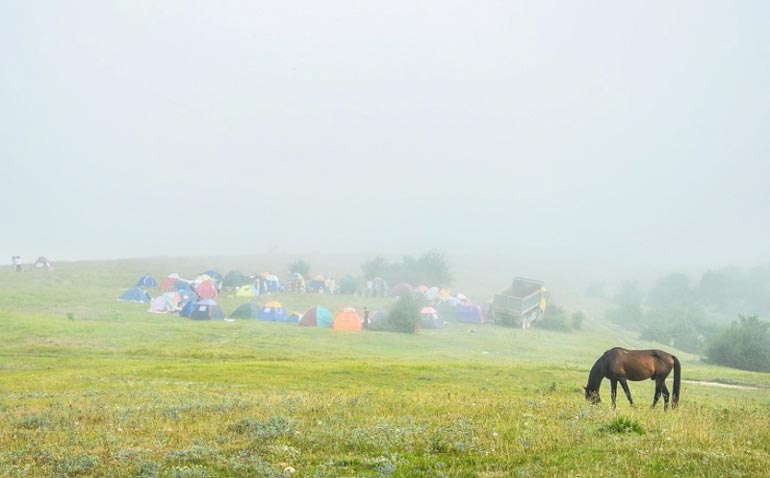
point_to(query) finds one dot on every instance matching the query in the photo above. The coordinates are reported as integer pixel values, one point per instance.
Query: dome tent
(135, 294)
(318, 316)
(249, 310)
(247, 291)
(207, 309)
(235, 279)
(272, 311)
(348, 319)
(146, 281)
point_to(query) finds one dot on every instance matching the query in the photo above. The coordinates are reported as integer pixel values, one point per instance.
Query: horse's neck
(595, 376)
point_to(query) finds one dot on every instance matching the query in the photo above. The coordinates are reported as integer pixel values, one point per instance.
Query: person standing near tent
(366, 318)
(332, 285)
(16, 260)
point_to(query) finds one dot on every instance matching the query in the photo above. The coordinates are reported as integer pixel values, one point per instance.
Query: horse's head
(592, 396)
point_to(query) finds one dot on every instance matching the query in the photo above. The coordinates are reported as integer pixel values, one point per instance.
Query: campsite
(92, 386)
(399, 239)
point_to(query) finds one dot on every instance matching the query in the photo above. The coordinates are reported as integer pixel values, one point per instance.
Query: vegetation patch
(623, 425)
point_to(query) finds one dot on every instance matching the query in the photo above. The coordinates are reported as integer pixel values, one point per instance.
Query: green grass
(93, 387)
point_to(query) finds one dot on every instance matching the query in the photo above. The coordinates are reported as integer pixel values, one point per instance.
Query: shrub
(744, 345)
(578, 318)
(623, 425)
(555, 318)
(404, 315)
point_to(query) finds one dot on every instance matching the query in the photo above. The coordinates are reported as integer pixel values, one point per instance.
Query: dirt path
(724, 385)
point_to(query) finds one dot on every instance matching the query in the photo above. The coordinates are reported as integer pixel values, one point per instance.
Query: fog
(592, 139)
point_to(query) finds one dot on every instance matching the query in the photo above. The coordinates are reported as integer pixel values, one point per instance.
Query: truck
(521, 304)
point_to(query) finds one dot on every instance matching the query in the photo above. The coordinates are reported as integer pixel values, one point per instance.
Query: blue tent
(469, 313)
(272, 311)
(146, 281)
(135, 294)
(187, 308)
(188, 295)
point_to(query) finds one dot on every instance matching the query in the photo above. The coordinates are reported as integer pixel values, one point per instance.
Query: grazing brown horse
(619, 365)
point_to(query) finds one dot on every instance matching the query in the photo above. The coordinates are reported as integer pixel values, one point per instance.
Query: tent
(235, 279)
(443, 293)
(402, 289)
(43, 263)
(316, 283)
(164, 304)
(377, 317)
(146, 281)
(207, 309)
(273, 283)
(292, 318)
(470, 313)
(249, 310)
(348, 319)
(429, 318)
(169, 281)
(446, 312)
(272, 311)
(206, 290)
(295, 283)
(247, 291)
(135, 294)
(187, 295)
(188, 308)
(216, 277)
(431, 294)
(318, 316)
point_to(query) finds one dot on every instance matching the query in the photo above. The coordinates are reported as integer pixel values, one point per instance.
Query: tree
(745, 345)
(300, 267)
(433, 267)
(628, 305)
(377, 267)
(672, 290)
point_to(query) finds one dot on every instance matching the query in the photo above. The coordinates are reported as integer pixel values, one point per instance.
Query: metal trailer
(521, 304)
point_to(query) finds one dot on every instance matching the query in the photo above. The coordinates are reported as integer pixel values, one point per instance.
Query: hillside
(94, 387)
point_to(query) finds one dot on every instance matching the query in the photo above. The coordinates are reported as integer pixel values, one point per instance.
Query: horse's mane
(596, 375)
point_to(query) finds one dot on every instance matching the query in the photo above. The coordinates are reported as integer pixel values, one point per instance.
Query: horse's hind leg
(664, 389)
(658, 392)
(614, 393)
(624, 384)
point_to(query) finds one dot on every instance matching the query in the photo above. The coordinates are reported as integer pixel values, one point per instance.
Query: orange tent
(348, 319)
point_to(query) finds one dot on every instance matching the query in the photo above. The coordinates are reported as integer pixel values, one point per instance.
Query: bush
(555, 318)
(578, 318)
(744, 345)
(404, 315)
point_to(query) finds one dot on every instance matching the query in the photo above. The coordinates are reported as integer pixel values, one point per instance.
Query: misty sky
(589, 133)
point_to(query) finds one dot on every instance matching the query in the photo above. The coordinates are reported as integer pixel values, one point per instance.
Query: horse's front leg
(614, 390)
(624, 384)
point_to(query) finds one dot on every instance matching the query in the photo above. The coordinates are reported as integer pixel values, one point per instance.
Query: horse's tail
(677, 382)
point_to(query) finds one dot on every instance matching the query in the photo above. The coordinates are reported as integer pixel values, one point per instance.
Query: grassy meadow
(93, 387)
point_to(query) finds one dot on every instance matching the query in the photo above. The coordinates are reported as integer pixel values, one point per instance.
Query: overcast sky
(591, 133)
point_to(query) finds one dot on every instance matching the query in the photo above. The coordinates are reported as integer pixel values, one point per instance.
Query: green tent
(249, 310)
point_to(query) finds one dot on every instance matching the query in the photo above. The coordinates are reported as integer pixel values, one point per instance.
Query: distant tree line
(700, 317)
(431, 268)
